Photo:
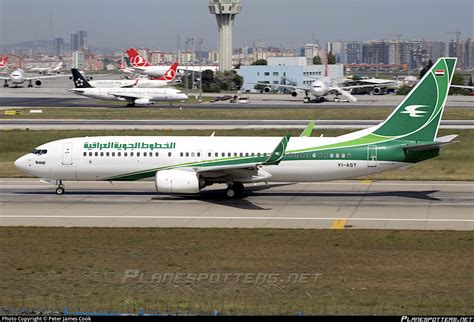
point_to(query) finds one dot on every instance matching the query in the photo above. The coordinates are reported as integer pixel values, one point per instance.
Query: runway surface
(332, 205)
(265, 102)
(70, 124)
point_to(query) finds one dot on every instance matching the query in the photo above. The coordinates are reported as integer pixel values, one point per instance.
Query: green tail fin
(418, 116)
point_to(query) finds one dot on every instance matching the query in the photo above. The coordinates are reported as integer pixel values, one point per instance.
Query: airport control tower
(225, 11)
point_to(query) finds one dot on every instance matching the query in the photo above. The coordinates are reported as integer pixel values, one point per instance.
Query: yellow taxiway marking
(366, 181)
(339, 224)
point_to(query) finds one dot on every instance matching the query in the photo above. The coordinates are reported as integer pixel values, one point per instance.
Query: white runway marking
(239, 218)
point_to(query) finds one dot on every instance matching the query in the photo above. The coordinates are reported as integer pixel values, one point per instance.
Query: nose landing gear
(60, 189)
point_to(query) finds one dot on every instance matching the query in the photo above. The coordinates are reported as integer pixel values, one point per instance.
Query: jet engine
(294, 93)
(267, 89)
(143, 102)
(379, 91)
(178, 181)
(38, 82)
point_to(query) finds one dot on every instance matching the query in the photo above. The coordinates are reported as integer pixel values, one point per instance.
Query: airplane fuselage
(115, 94)
(136, 158)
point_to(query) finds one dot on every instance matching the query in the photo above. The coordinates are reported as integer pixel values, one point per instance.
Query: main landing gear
(60, 189)
(235, 190)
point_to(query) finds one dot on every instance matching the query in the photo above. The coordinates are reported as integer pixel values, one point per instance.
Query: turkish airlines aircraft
(180, 164)
(3, 62)
(157, 82)
(133, 96)
(141, 66)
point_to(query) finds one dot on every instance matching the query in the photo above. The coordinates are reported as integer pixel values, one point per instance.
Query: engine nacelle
(178, 181)
(143, 102)
(294, 93)
(38, 82)
(379, 91)
(267, 89)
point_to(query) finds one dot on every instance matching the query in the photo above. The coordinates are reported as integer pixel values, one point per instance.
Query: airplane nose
(21, 163)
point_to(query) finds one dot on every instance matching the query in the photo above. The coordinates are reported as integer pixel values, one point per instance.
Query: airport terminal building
(287, 71)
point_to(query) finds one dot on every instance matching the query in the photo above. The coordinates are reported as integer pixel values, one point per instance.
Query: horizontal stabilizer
(440, 142)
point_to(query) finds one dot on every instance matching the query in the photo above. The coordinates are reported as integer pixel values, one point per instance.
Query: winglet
(277, 155)
(308, 130)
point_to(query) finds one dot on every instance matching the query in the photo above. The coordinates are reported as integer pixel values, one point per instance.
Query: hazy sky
(290, 23)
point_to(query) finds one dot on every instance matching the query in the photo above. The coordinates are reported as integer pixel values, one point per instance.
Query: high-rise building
(353, 52)
(78, 59)
(82, 39)
(311, 51)
(374, 52)
(75, 42)
(59, 47)
(225, 12)
(469, 53)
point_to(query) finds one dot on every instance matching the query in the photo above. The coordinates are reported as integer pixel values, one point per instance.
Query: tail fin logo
(79, 82)
(170, 74)
(138, 61)
(412, 110)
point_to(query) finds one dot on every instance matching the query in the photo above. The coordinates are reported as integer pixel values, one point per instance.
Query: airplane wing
(284, 86)
(240, 166)
(44, 77)
(308, 129)
(127, 97)
(344, 93)
(369, 85)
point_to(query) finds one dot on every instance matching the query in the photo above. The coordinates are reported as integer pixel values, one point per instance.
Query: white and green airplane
(189, 164)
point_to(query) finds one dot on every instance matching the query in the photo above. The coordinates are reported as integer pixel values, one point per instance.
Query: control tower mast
(225, 11)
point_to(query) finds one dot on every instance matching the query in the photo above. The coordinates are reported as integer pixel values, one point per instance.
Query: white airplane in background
(187, 164)
(162, 81)
(133, 96)
(141, 66)
(47, 70)
(18, 77)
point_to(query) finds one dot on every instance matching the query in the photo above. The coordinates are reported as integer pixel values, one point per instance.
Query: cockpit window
(39, 152)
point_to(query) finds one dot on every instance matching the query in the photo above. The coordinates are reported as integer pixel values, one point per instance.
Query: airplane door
(372, 156)
(67, 153)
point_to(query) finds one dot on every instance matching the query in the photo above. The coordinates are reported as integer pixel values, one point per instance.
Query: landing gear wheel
(59, 190)
(235, 190)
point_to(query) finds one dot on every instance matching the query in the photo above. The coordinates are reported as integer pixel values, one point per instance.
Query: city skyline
(314, 21)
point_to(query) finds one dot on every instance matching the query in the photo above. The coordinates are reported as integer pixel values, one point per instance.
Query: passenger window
(216, 154)
(192, 154)
(125, 154)
(84, 154)
(144, 154)
(343, 155)
(314, 155)
(131, 154)
(113, 154)
(349, 155)
(229, 154)
(181, 154)
(119, 154)
(320, 155)
(198, 154)
(156, 154)
(331, 155)
(187, 154)
(96, 154)
(241, 154)
(235, 154)
(223, 154)
(246, 154)
(325, 155)
(169, 154)
(337, 155)
(90, 154)
(209, 154)
(138, 154)
(101, 154)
